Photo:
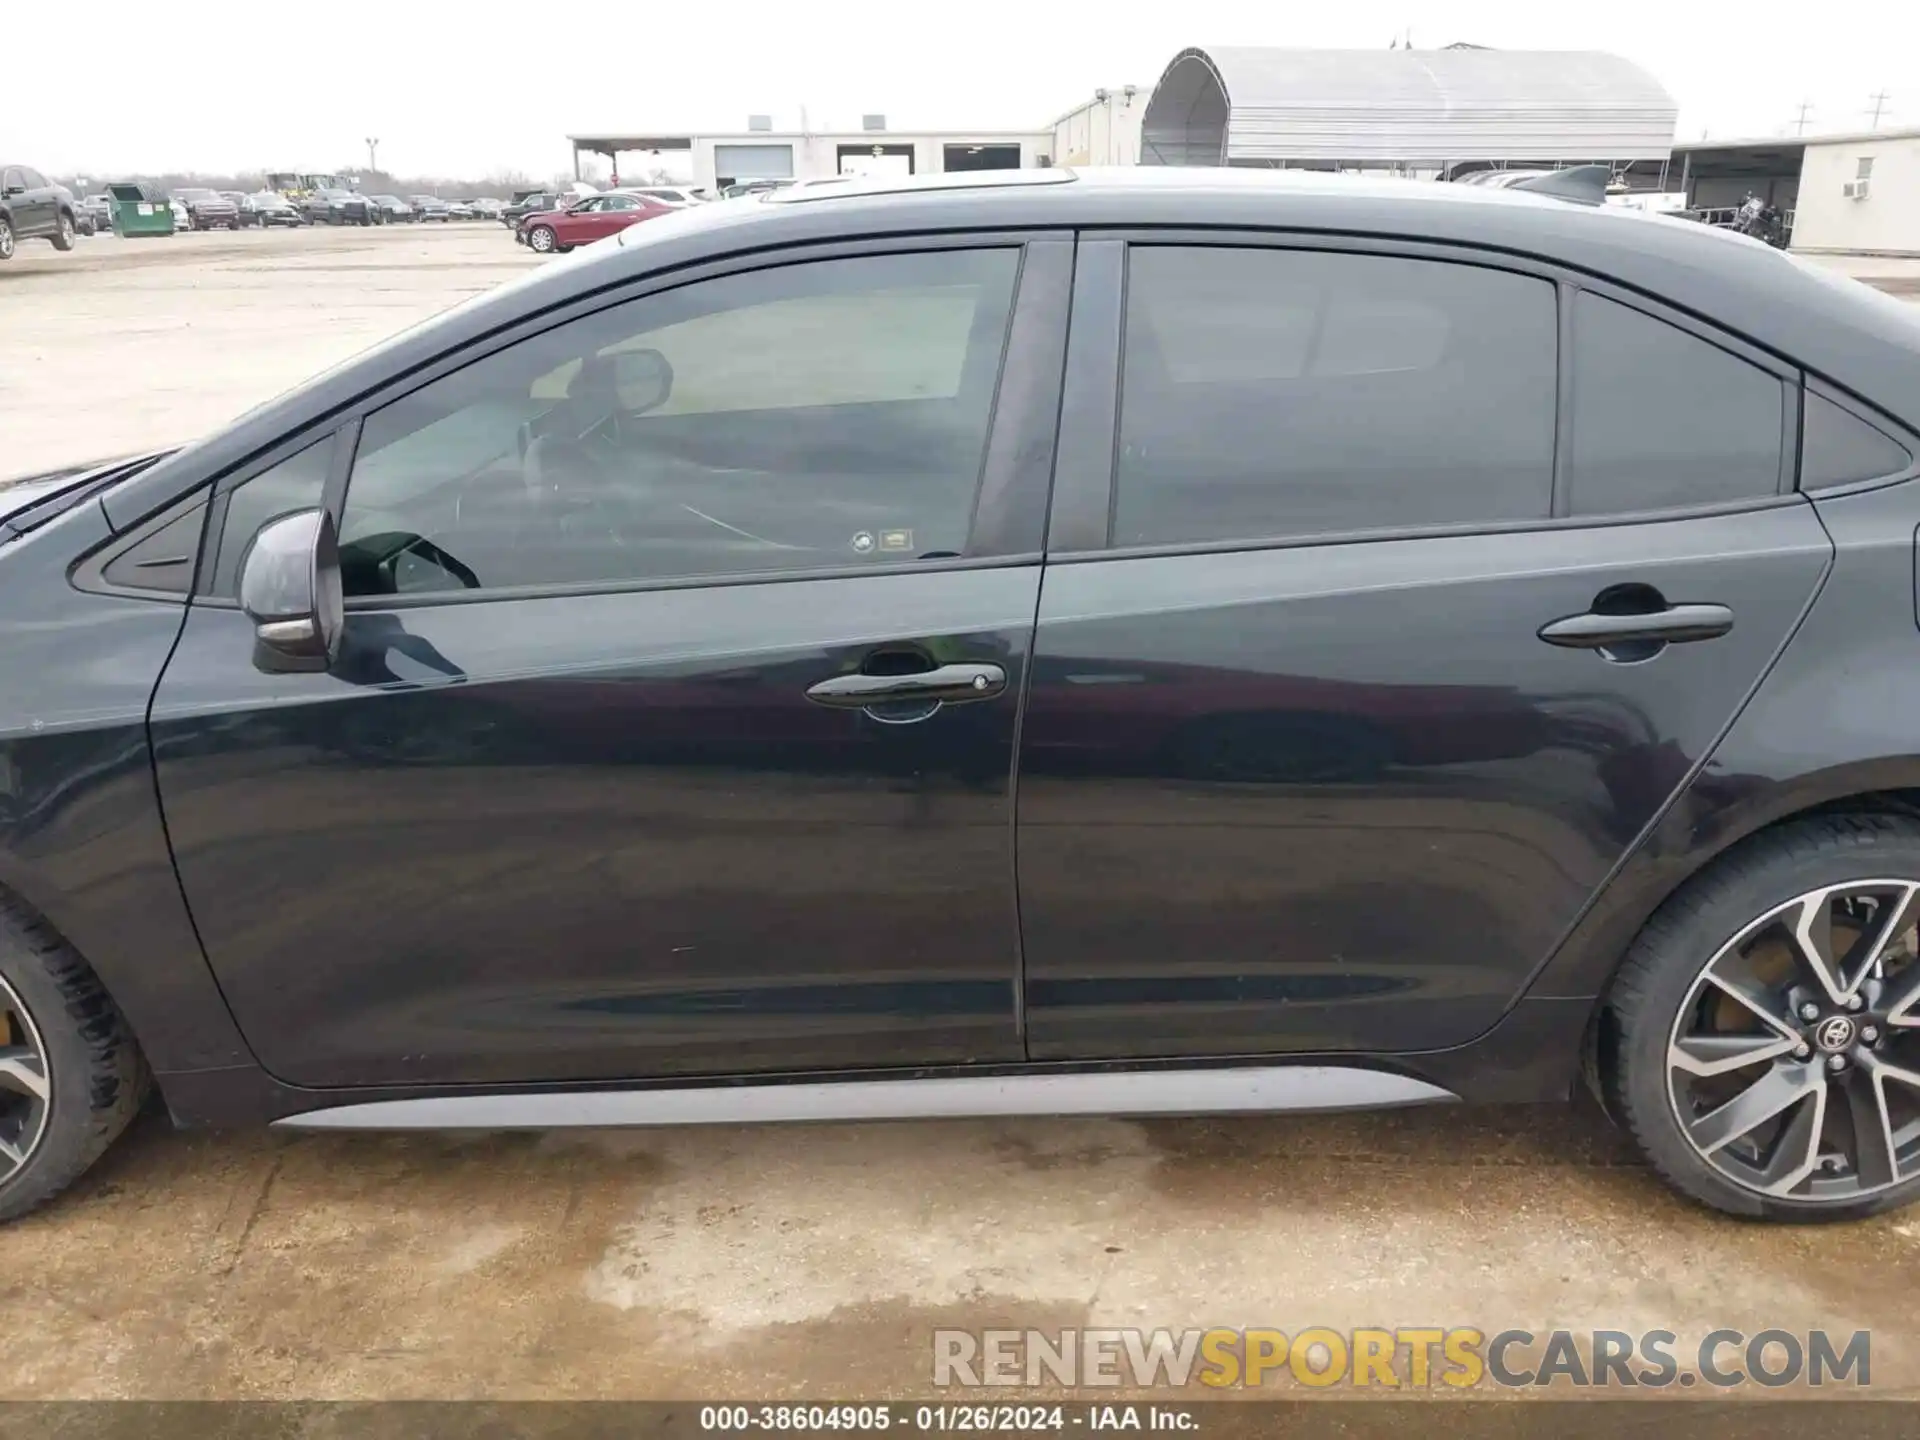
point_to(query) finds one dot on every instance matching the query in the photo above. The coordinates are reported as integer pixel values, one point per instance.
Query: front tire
(542, 241)
(6, 238)
(1762, 1040)
(71, 1077)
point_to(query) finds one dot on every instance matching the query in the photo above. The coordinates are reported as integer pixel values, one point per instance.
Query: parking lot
(122, 345)
(797, 1261)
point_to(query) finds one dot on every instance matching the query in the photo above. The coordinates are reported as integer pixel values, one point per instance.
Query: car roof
(1852, 336)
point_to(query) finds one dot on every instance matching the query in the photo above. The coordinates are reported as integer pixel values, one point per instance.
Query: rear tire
(65, 1039)
(1732, 929)
(63, 232)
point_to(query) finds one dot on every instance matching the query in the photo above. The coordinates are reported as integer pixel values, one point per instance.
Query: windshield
(197, 195)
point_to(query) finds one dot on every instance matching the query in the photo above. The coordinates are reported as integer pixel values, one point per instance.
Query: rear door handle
(946, 684)
(1675, 625)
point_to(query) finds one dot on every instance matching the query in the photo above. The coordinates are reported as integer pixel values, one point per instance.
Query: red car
(584, 221)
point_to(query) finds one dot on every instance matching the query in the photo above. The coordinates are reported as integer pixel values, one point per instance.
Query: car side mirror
(290, 589)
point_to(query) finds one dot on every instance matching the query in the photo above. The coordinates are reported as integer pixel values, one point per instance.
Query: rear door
(672, 730)
(46, 201)
(1399, 595)
(619, 211)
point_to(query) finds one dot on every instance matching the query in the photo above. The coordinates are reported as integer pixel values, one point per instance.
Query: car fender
(82, 842)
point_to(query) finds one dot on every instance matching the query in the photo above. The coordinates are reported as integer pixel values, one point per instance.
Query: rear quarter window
(1839, 448)
(1663, 418)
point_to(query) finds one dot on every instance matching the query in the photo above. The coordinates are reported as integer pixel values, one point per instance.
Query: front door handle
(1675, 625)
(945, 684)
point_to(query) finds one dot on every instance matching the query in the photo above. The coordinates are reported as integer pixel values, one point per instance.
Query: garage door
(754, 162)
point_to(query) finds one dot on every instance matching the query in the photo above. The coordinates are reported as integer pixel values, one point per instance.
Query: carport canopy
(614, 146)
(1719, 174)
(1427, 108)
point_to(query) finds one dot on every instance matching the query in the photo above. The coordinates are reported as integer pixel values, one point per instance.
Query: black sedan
(268, 208)
(769, 668)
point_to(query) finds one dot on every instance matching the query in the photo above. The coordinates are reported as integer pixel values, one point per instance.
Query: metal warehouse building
(1418, 110)
(1843, 194)
(762, 153)
(1412, 111)
(1104, 130)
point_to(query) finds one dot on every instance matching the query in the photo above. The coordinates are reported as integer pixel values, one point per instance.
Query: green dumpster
(139, 210)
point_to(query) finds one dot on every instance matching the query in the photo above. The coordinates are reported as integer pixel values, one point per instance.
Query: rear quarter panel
(1837, 722)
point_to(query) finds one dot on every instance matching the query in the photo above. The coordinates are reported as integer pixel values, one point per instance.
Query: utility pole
(373, 154)
(1800, 121)
(1879, 99)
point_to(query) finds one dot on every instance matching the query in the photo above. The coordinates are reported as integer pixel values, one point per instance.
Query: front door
(591, 220)
(1383, 658)
(672, 730)
(32, 201)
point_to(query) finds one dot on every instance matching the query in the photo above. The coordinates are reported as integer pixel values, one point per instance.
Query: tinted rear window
(1270, 393)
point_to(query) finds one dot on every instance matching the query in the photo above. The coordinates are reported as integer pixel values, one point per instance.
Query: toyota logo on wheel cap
(1834, 1034)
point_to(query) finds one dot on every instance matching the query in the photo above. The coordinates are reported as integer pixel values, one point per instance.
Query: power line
(1800, 121)
(1879, 99)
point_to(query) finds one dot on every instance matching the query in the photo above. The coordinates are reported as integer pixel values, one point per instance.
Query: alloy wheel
(1793, 1067)
(26, 1089)
(6, 241)
(541, 239)
(66, 231)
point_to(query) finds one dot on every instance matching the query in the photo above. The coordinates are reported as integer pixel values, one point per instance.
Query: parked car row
(35, 208)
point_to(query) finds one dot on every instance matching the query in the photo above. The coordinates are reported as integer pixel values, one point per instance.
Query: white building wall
(1102, 132)
(1886, 222)
(817, 156)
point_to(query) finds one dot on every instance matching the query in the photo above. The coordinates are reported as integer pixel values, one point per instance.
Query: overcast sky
(469, 90)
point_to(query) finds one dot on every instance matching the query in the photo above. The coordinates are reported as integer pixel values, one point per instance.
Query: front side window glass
(800, 417)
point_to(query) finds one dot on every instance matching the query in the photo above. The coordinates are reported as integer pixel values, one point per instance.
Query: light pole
(373, 154)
